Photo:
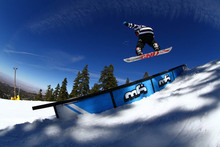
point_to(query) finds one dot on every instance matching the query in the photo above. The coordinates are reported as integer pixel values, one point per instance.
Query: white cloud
(65, 69)
(120, 80)
(77, 58)
(79, 13)
(94, 75)
(21, 52)
(200, 10)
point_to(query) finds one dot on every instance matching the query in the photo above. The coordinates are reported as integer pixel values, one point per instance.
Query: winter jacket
(140, 29)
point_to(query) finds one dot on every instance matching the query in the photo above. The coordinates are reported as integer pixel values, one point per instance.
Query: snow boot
(156, 47)
(139, 51)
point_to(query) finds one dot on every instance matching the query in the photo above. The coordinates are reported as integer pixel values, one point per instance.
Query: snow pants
(149, 39)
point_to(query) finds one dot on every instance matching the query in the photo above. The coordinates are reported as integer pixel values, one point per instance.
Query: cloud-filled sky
(79, 13)
(49, 40)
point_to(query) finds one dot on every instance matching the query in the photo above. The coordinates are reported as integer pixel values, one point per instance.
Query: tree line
(81, 87)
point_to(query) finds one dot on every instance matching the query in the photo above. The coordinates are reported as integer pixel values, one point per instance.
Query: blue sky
(49, 40)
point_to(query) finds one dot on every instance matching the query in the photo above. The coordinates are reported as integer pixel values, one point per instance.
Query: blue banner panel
(161, 81)
(96, 104)
(177, 72)
(133, 93)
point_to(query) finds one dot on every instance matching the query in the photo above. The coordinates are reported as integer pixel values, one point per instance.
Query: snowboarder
(145, 34)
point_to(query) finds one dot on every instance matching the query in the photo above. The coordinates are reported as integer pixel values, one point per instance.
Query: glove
(125, 23)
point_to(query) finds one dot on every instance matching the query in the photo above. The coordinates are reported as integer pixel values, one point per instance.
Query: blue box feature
(96, 104)
(161, 81)
(114, 97)
(177, 72)
(133, 93)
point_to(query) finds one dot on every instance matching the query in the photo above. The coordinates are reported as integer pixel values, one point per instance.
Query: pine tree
(113, 82)
(146, 75)
(63, 94)
(56, 92)
(39, 96)
(107, 78)
(84, 84)
(103, 78)
(76, 90)
(51, 98)
(127, 81)
(95, 88)
(81, 84)
(48, 93)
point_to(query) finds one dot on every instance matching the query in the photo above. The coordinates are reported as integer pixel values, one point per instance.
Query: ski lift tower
(15, 95)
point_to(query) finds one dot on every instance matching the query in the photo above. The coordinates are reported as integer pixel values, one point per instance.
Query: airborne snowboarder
(145, 34)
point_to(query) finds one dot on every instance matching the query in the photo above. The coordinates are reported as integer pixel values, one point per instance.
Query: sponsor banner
(177, 72)
(112, 98)
(133, 93)
(94, 104)
(161, 81)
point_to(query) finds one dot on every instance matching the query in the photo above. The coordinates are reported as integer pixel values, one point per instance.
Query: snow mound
(185, 113)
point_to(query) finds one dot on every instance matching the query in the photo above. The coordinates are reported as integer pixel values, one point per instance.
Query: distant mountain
(7, 88)
(6, 79)
(20, 84)
(7, 92)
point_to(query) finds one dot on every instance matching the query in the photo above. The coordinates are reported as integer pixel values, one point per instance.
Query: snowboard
(148, 55)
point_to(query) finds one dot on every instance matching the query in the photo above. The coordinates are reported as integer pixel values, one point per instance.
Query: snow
(15, 112)
(185, 113)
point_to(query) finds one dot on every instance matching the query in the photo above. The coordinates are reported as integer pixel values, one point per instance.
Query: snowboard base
(148, 55)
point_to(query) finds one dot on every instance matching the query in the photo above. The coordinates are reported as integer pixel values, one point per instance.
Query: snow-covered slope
(15, 112)
(185, 113)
